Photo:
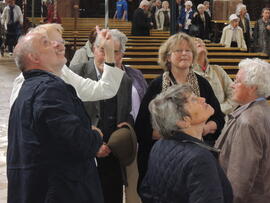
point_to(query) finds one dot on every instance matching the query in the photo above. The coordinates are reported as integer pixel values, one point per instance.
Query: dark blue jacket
(51, 146)
(182, 17)
(138, 80)
(182, 169)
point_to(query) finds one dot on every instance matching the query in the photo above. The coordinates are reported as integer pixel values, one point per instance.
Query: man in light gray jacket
(245, 140)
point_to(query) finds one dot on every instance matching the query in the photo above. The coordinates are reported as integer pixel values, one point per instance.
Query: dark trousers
(234, 44)
(111, 179)
(13, 33)
(247, 40)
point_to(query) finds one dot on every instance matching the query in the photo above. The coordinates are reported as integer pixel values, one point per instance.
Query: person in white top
(87, 89)
(232, 34)
(12, 20)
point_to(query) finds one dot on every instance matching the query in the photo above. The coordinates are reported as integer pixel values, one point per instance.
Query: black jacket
(182, 169)
(51, 146)
(204, 29)
(141, 23)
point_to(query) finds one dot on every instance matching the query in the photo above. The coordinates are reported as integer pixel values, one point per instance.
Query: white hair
(188, 3)
(121, 37)
(144, 3)
(200, 6)
(116, 35)
(239, 7)
(257, 73)
(21, 50)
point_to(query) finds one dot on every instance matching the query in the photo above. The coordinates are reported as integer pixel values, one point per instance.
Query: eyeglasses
(180, 51)
(116, 52)
(237, 81)
(57, 42)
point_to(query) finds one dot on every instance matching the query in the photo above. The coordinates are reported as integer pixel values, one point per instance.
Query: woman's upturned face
(243, 11)
(198, 109)
(234, 23)
(181, 56)
(201, 49)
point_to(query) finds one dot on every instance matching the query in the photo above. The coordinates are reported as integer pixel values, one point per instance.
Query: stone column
(222, 9)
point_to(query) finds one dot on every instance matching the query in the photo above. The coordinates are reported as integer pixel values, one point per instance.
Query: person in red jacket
(53, 16)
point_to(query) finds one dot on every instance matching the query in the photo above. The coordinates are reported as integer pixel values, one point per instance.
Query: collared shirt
(234, 39)
(244, 24)
(242, 108)
(209, 12)
(188, 20)
(99, 75)
(136, 101)
(221, 84)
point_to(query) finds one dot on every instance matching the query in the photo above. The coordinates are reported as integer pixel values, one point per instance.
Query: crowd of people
(197, 136)
(197, 22)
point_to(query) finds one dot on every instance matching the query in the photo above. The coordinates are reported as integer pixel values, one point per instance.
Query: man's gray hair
(168, 108)
(116, 35)
(21, 50)
(257, 73)
(121, 37)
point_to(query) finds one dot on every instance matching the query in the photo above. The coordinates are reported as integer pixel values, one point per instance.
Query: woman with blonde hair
(163, 17)
(176, 57)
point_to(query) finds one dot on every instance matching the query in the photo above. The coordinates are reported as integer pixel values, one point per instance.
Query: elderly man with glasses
(245, 140)
(51, 145)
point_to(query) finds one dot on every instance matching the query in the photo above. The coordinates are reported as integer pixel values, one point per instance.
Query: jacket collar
(243, 108)
(185, 138)
(37, 72)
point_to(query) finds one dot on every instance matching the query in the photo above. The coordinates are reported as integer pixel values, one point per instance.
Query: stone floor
(8, 72)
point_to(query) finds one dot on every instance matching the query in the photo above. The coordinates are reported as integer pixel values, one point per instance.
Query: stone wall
(222, 9)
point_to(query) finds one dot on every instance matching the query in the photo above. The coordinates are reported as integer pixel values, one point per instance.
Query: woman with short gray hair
(181, 167)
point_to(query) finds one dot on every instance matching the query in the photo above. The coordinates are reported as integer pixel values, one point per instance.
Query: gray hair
(257, 73)
(200, 6)
(168, 108)
(206, 2)
(144, 3)
(121, 37)
(239, 7)
(116, 35)
(21, 50)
